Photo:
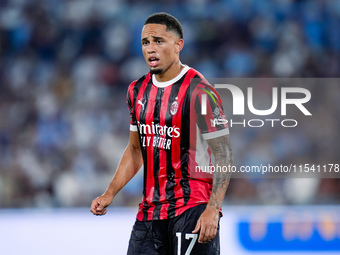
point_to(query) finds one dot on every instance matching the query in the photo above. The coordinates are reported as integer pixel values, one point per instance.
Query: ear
(179, 45)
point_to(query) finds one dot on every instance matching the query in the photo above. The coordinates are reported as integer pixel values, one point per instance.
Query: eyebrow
(154, 37)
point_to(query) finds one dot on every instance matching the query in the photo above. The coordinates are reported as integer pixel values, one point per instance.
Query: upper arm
(213, 123)
(134, 143)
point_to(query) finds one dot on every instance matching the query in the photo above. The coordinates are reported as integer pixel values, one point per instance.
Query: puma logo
(141, 103)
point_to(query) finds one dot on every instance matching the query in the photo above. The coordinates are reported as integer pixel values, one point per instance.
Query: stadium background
(64, 70)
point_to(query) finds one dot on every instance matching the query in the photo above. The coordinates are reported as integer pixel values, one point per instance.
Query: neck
(171, 72)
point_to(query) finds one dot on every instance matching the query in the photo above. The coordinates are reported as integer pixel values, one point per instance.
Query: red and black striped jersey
(172, 132)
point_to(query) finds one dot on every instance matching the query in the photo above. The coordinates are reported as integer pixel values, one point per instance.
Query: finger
(96, 212)
(100, 207)
(202, 237)
(94, 206)
(214, 232)
(197, 228)
(97, 208)
(211, 233)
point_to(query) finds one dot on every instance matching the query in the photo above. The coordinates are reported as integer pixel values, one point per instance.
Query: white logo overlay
(294, 98)
(157, 136)
(142, 103)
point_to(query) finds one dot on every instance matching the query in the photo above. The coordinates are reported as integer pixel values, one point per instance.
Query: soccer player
(175, 128)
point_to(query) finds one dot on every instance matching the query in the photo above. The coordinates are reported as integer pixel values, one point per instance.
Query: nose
(151, 48)
(151, 51)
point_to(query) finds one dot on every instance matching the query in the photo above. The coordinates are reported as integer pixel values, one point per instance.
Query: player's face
(160, 48)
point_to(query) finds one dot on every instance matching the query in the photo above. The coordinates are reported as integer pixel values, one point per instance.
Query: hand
(208, 223)
(99, 204)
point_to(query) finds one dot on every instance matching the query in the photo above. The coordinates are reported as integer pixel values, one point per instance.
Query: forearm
(220, 186)
(222, 150)
(128, 166)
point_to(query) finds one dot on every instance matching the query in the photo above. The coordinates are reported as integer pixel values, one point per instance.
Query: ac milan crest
(174, 108)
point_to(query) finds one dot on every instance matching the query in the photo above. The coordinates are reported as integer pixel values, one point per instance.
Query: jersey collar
(172, 81)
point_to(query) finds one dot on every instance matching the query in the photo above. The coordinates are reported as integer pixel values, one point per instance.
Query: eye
(145, 42)
(159, 41)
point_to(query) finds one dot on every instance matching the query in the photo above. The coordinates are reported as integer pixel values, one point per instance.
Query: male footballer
(172, 110)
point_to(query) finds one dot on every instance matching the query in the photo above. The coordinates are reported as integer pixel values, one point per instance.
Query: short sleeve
(130, 104)
(211, 119)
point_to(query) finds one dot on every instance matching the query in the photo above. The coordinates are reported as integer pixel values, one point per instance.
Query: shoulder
(139, 82)
(194, 74)
(202, 86)
(198, 80)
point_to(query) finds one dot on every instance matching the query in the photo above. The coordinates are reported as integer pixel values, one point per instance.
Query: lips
(153, 61)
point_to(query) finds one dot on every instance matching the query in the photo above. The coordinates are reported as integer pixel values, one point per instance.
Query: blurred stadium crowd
(65, 66)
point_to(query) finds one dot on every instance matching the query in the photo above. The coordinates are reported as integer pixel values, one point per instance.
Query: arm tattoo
(221, 148)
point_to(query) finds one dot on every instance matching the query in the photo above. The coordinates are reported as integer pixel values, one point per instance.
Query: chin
(156, 71)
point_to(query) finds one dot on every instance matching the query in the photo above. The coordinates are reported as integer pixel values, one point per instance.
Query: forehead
(156, 30)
